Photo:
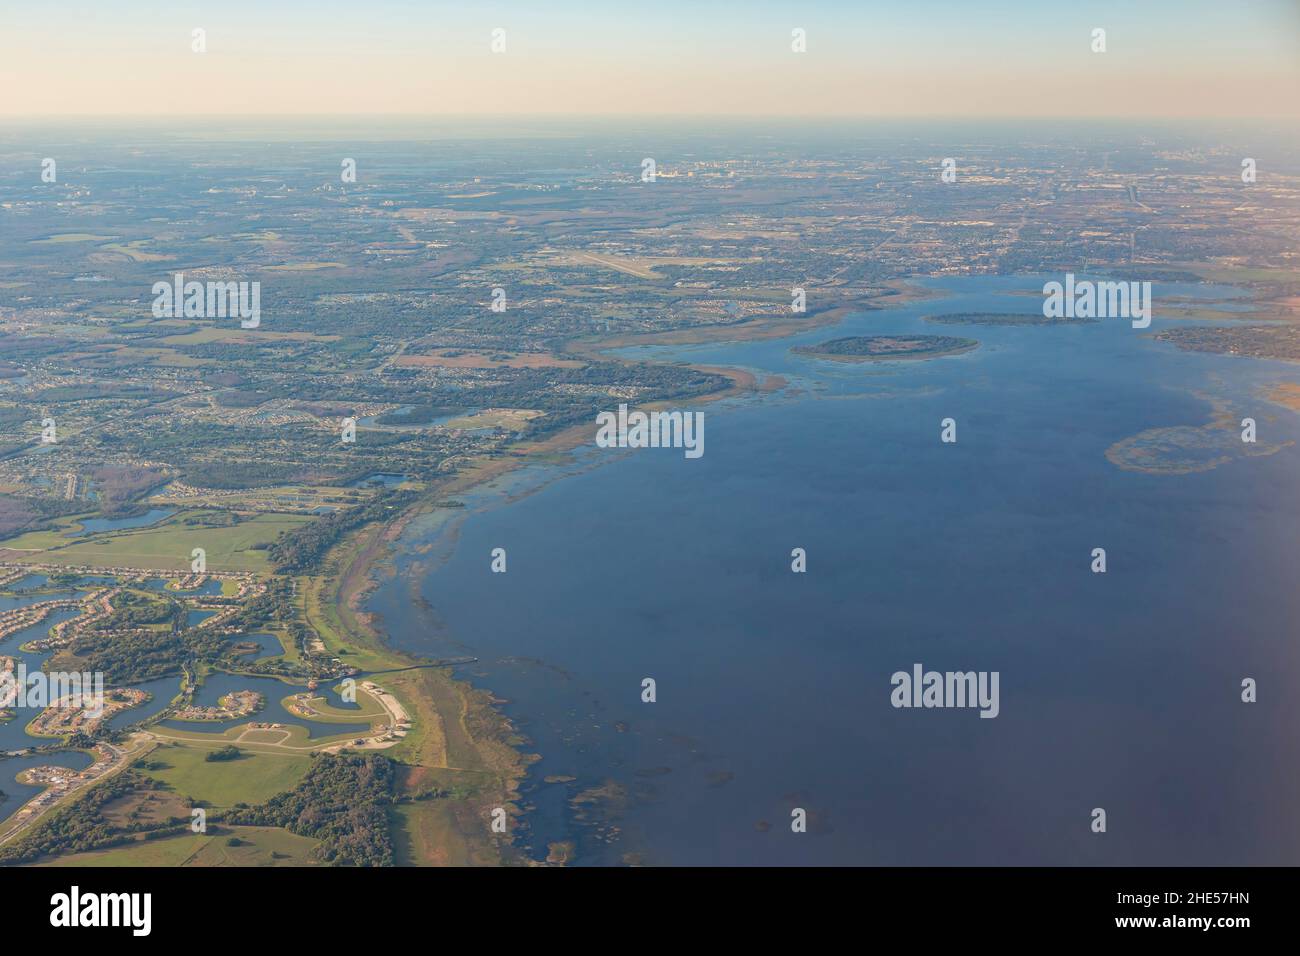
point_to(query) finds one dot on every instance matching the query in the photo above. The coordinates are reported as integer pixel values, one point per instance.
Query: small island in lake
(879, 348)
(1003, 318)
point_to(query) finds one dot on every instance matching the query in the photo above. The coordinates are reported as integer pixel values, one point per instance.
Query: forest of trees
(82, 826)
(135, 610)
(133, 656)
(343, 802)
(302, 548)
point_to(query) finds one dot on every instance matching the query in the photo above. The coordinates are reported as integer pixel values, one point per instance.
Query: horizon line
(782, 117)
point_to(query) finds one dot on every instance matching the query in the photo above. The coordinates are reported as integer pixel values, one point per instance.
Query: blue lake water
(13, 735)
(161, 692)
(404, 410)
(152, 516)
(212, 586)
(13, 732)
(1118, 690)
(268, 645)
(11, 602)
(273, 712)
(15, 793)
(30, 581)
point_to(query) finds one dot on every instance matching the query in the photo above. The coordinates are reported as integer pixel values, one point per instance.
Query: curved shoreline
(375, 545)
(810, 352)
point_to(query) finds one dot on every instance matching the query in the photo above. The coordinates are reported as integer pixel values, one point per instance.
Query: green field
(1228, 274)
(316, 601)
(370, 709)
(292, 739)
(253, 778)
(165, 545)
(70, 237)
(260, 846)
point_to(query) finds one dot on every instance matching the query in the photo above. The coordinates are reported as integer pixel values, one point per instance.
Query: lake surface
(273, 691)
(13, 732)
(268, 645)
(11, 602)
(212, 586)
(1118, 690)
(161, 691)
(152, 516)
(15, 793)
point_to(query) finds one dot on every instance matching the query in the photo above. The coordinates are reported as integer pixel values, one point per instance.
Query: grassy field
(69, 237)
(253, 778)
(134, 250)
(314, 599)
(262, 737)
(427, 834)
(304, 266)
(164, 357)
(324, 712)
(458, 744)
(511, 419)
(458, 741)
(1231, 273)
(234, 333)
(165, 545)
(292, 739)
(259, 846)
(282, 499)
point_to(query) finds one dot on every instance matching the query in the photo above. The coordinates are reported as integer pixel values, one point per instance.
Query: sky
(1016, 58)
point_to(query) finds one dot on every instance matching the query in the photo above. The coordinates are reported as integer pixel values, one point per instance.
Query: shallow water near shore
(1118, 690)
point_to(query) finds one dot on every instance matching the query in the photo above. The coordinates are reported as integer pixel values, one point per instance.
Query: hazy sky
(1166, 58)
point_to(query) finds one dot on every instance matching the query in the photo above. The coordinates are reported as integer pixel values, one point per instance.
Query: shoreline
(901, 357)
(372, 547)
(760, 328)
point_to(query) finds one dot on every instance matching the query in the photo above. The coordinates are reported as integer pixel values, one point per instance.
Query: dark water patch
(16, 794)
(773, 688)
(273, 711)
(94, 525)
